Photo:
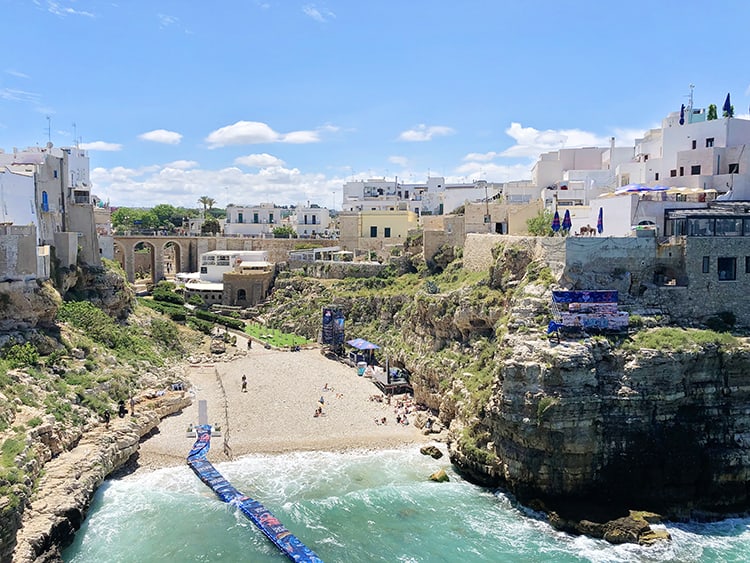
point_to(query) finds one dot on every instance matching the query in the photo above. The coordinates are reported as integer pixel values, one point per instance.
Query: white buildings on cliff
(45, 204)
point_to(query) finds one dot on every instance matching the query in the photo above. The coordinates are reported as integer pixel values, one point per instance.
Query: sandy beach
(276, 413)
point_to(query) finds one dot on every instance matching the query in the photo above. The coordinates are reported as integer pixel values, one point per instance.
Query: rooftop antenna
(690, 103)
(49, 129)
(75, 135)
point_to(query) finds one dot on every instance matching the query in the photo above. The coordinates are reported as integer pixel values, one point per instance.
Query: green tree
(284, 231)
(210, 226)
(541, 225)
(206, 202)
(712, 113)
(729, 113)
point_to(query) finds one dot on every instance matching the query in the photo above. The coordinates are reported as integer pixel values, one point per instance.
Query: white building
(253, 220)
(434, 197)
(310, 222)
(57, 202)
(214, 264)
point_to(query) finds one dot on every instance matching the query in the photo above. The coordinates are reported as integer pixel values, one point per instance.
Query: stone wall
(337, 270)
(17, 252)
(451, 233)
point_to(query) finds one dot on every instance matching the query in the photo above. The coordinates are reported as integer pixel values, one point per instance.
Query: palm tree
(206, 202)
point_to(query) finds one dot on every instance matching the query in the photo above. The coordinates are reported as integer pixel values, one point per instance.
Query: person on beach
(121, 410)
(132, 406)
(249, 343)
(244, 383)
(106, 418)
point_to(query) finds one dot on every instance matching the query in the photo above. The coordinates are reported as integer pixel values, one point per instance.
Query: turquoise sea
(349, 507)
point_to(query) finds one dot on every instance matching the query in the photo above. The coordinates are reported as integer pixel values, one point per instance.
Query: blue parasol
(556, 222)
(567, 223)
(600, 221)
(362, 344)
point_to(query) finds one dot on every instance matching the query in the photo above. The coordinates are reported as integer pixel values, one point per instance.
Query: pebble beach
(276, 414)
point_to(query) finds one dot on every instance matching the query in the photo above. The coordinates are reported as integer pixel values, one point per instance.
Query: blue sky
(283, 101)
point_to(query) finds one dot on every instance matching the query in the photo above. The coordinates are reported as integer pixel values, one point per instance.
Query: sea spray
(358, 506)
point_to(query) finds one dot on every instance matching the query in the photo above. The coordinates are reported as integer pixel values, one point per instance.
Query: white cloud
(166, 20)
(263, 160)
(311, 11)
(481, 157)
(491, 172)
(101, 146)
(254, 133)
(182, 164)
(15, 95)
(16, 73)
(149, 186)
(162, 136)
(300, 137)
(424, 133)
(531, 142)
(59, 10)
(399, 160)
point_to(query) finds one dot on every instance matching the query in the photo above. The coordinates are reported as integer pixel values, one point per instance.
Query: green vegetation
(284, 231)
(541, 225)
(21, 355)
(545, 403)
(679, 339)
(274, 337)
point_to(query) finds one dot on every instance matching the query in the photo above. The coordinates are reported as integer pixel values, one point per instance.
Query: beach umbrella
(567, 223)
(600, 221)
(556, 222)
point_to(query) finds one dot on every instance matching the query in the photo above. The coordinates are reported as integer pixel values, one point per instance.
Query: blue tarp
(362, 344)
(593, 296)
(266, 522)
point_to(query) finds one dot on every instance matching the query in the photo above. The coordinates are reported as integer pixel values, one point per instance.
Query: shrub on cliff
(679, 339)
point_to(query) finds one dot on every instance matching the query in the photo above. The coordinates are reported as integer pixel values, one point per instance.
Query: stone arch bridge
(171, 254)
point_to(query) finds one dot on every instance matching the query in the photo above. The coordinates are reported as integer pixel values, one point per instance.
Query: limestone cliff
(592, 423)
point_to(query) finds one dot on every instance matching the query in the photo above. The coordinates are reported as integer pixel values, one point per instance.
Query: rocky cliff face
(666, 431)
(75, 462)
(586, 423)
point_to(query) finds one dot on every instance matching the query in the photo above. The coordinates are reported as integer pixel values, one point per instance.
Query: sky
(282, 101)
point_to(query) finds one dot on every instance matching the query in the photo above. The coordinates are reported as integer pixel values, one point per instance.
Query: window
(55, 173)
(701, 227)
(727, 268)
(241, 295)
(706, 264)
(695, 169)
(656, 176)
(387, 232)
(255, 217)
(270, 217)
(747, 264)
(204, 270)
(373, 231)
(673, 173)
(709, 142)
(239, 217)
(734, 168)
(729, 226)
(682, 170)
(695, 145)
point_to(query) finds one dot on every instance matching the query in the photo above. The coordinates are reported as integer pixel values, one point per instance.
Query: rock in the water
(439, 476)
(431, 451)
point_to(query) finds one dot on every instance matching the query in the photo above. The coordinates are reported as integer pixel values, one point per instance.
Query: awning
(362, 344)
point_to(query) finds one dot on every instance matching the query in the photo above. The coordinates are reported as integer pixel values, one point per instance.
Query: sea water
(362, 506)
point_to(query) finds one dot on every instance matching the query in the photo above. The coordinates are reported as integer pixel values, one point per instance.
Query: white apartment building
(434, 197)
(700, 153)
(50, 188)
(310, 221)
(253, 220)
